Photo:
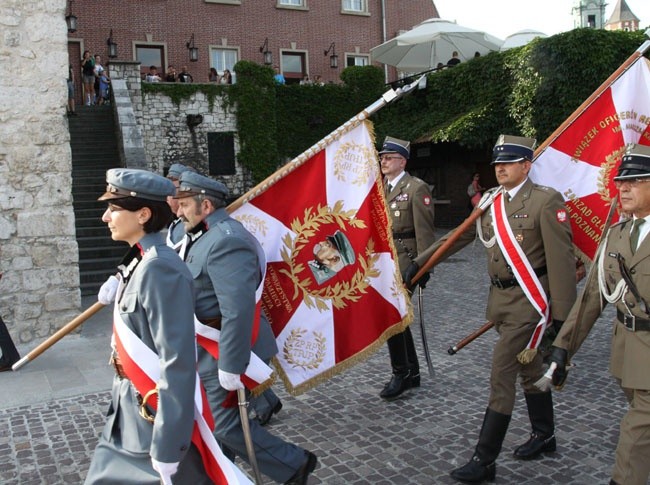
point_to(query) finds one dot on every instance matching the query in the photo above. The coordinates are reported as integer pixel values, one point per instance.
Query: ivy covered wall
(527, 91)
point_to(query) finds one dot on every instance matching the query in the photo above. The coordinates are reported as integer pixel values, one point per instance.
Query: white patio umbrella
(520, 38)
(431, 42)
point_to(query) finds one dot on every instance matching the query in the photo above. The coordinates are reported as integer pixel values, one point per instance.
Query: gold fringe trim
(263, 386)
(526, 356)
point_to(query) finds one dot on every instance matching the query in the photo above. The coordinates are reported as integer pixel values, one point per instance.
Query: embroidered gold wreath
(346, 154)
(291, 345)
(343, 291)
(253, 224)
(605, 172)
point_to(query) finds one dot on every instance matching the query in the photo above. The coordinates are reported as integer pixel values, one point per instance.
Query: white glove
(165, 470)
(107, 292)
(230, 382)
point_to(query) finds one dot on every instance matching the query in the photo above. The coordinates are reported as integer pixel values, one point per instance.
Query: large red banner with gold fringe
(582, 161)
(333, 292)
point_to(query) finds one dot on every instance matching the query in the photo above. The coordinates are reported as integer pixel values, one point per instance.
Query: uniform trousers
(9, 353)
(275, 457)
(513, 338)
(632, 466)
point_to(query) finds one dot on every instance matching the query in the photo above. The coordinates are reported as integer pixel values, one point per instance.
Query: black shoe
(415, 378)
(6, 365)
(396, 386)
(475, 472)
(264, 418)
(301, 476)
(535, 446)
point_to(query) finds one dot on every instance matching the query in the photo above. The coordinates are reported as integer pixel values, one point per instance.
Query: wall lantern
(112, 46)
(334, 59)
(71, 20)
(194, 51)
(268, 55)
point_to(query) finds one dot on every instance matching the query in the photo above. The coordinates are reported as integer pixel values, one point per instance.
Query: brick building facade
(295, 32)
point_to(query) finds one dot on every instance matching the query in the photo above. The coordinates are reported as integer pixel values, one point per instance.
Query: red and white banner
(333, 292)
(582, 161)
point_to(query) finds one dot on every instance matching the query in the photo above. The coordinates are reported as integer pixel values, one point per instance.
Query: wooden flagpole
(58, 335)
(638, 54)
(386, 98)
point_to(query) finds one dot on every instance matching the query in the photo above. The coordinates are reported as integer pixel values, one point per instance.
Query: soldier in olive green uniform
(538, 220)
(623, 270)
(411, 212)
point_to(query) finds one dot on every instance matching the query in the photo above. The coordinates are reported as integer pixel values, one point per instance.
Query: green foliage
(178, 92)
(308, 113)
(530, 90)
(255, 96)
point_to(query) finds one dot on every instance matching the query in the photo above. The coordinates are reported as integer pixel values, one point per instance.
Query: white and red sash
(257, 371)
(141, 366)
(207, 337)
(521, 268)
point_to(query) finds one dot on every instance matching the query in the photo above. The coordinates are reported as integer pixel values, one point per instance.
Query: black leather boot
(542, 439)
(402, 379)
(399, 382)
(482, 466)
(412, 358)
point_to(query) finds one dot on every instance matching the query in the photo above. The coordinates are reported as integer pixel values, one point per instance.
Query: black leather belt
(404, 235)
(509, 283)
(633, 323)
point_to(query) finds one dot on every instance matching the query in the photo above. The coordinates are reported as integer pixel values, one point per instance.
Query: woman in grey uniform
(147, 437)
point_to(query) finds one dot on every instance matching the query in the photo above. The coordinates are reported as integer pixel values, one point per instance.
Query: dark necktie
(634, 236)
(389, 187)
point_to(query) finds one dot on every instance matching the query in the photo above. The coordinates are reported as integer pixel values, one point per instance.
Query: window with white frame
(222, 58)
(356, 60)
(355, 5)
(291, 3)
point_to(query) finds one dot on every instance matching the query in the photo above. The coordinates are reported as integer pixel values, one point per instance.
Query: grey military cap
(176, 169)
(131, 182)
(192, 183)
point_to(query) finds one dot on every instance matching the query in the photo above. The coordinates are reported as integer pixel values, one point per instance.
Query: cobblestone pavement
(358, 438)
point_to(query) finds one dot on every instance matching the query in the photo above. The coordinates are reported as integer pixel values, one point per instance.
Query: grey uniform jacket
(411, 210)
(225, 268)
(540, 224)
(630, 356)
(149, 305)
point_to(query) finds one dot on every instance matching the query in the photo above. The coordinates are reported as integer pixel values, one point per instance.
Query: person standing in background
(88, 73)
(411, 211)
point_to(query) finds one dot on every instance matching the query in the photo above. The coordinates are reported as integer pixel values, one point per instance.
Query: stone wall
(39, 290)
(166, 135)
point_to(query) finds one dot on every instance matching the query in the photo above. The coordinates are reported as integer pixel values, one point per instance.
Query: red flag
(333, 291)
(583, 159)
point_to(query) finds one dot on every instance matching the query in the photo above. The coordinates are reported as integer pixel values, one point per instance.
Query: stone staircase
(94, 150)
